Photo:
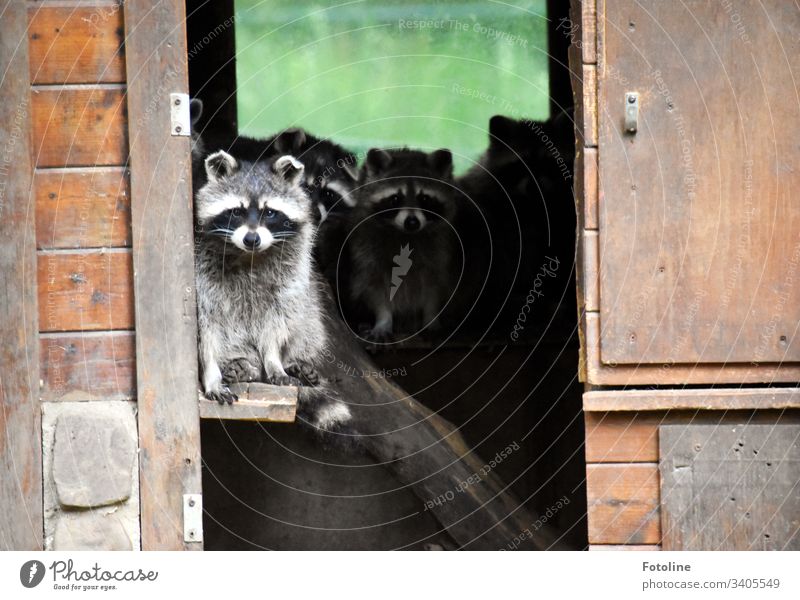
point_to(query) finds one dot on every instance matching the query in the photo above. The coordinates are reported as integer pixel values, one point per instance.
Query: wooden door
(698, 213)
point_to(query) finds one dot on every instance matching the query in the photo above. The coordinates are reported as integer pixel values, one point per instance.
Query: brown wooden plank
(82, 208)
(622, 437)
(589, 113)
(699, 222)
(591, 285)
(730, 487)
(714, 399)
(21, 520)
(671, 374)
(257, 402)
(166, 322)
(76, 44)
(628, 437)
(85, 291)
(589, 31)
(88, 366)
(79, 125)
(590, 188)
(624, 547)
(623, 504)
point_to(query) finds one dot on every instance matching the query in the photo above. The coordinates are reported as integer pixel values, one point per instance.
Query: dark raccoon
(402, 247)
(521, 211)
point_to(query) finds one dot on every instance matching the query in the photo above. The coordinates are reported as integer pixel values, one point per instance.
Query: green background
(359, 73)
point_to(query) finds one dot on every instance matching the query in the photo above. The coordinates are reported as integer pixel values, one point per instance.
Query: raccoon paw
(223, 395)
(376, 335)
(304, 372)
(284, 380)
(240, 370)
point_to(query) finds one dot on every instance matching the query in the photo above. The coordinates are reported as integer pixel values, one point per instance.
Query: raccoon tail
(321, 410)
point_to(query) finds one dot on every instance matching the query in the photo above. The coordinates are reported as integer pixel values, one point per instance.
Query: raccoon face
(408, 190)
(252, 206)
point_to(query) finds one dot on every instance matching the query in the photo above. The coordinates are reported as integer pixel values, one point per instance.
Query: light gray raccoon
(259, 301)
(402, 243)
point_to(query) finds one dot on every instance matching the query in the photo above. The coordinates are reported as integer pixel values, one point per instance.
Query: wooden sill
(257, 402)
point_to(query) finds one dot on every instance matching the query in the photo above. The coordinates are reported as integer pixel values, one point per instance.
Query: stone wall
(91, 475)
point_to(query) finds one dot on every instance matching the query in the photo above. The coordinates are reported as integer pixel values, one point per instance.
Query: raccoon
(521, 207)
(259, 303)
(401, 242)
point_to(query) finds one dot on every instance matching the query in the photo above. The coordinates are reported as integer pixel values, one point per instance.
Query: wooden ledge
(257, 402)
(717, 399)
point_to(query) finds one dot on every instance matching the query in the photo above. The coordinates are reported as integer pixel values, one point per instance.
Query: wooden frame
(163, 261)
(21, 520)
(588, 60)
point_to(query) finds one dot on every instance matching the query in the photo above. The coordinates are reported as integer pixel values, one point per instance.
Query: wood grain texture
(629, 437)
(588, 113)
(88, 366)
(591, 270)
(76, 44)
(623, 504)
(257, 402)
(590, 188)
(82, 208)
(731, 487)
(623, 548)
(163, 256)
(598, 373)
(79, 126)
(589, 31)
(21, 520)
(700, 224)
(85, 291)
(713, 399)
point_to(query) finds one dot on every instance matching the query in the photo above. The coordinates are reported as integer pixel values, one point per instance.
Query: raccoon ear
(349, 167)
(195, 110)
(377, 161)
(289, 141)
(219, 165)
(500, 128)
(289, 168)
(441, 161)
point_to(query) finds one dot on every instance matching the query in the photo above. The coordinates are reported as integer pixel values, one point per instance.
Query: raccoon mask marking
(405, 207)
(252, 206)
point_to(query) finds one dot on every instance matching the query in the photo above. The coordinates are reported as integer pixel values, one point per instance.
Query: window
(390, 72)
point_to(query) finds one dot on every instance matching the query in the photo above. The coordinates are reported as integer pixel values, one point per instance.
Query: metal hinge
(180, 119)
(192, 517)
(631, 112)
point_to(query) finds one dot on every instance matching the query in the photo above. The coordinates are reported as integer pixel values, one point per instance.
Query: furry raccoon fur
(259, 301)
(522, 209)
(401, 245)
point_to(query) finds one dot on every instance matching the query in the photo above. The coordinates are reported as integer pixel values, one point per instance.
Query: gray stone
(92, 460)
(91, 530)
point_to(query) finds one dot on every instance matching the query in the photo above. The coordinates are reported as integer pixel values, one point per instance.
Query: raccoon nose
(251, 240)
(411, 223)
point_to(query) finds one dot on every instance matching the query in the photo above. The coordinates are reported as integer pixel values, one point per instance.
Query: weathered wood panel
(623, 504)
(731, 487)
(630, 437)
(623, 548)
(79, 125)
(598, 373)
(88, 366)
(82, 208)
(257, 402)
(76, 44)
(589, 31)
(711, 399)
(590, 188)
(166, 327)
(21, 520)
(700, 243)
(85, 291)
